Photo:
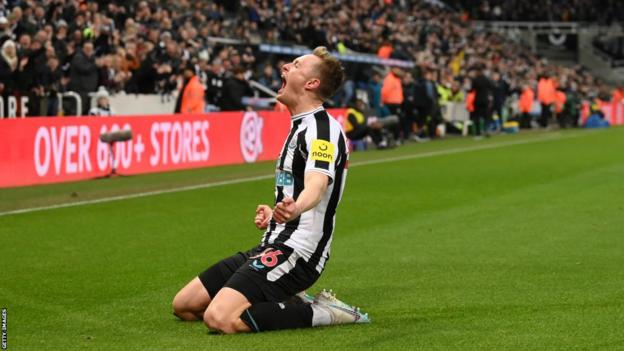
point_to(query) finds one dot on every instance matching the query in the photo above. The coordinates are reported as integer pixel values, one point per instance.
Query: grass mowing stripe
(269, 176)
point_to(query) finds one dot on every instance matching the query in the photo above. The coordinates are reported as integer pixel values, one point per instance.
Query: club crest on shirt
(293, 144)
(322, 150)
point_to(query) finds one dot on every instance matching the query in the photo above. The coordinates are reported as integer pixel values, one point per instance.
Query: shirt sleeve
(322, 146)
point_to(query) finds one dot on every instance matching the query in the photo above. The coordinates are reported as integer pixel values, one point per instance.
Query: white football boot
(340, 312)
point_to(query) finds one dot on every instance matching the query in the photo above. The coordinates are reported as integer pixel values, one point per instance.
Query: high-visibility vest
(546, 91)
(525, 104)
(392, 90)
(359, 117)
(470, 100)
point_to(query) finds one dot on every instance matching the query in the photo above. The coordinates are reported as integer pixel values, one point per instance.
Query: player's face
(298, 77)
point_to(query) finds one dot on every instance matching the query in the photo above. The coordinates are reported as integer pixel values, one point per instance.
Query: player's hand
(285, 210)
(263, 216)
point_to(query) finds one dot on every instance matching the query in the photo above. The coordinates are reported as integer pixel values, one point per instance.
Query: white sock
(320, 315)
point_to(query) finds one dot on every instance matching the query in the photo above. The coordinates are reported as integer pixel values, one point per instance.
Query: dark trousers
(546, 115)
(479, 117)
(397, 111)
(360, 132)
(525, 121)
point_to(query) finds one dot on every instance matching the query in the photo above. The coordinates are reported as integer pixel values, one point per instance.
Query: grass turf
(514, 246)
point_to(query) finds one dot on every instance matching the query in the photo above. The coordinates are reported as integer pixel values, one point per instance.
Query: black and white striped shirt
(315, 143)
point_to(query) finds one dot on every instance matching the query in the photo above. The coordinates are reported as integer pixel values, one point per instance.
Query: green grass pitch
(510, 243)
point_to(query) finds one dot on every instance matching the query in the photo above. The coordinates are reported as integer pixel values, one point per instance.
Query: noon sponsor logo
(322, 150)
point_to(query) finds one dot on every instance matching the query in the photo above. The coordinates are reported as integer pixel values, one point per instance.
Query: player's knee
(215, 320)
(182, 309)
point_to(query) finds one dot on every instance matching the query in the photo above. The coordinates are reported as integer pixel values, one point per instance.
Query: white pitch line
(264, 177)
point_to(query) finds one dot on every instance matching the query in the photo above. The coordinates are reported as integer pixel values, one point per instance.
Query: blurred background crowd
(211, 47)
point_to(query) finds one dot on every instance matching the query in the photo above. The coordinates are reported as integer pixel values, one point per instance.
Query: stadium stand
(600, 11)
(141, 47)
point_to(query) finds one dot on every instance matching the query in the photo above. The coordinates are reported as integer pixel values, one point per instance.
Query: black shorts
(264, 273)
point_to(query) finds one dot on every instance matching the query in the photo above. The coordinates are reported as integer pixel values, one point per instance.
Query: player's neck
(302, 106)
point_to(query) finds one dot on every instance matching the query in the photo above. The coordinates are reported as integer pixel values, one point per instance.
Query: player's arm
(314, 186)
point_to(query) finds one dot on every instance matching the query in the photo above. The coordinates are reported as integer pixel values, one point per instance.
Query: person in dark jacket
(409, 108)
(483, 90)
(83, 75)
(500, 93)
(8, 67)
(234, 89)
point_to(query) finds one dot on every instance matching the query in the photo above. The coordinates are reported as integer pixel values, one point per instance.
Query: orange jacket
(560, 99)
(546, 91)
(525, 104)
(618, 95)
(193, 97)
(470, 100)
(385, 51)
(392, 90)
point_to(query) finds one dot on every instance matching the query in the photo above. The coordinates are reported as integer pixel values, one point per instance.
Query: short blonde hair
(331, 73)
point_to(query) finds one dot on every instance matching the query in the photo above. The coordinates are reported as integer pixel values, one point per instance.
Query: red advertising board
(50, 150)
(613, 112)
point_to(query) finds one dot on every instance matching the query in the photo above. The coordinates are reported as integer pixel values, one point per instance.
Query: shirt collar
(301, 115)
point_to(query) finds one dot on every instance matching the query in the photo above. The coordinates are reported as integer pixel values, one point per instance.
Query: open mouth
(281, 89)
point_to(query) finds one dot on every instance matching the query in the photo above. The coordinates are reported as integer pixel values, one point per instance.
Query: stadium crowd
(595, 11)
(158, 47)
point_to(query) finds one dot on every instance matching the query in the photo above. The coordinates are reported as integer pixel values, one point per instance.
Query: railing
(357, 58)
(70, 94)
(535, 27)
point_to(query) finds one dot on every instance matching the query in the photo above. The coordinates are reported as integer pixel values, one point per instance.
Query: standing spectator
(560, 99)
(374, 91)
(50, 81)
(546, 94)
(501, 91)
(482, 88)
(214, 84)
(525, 105)
(392, 92)
(408, 107)
(425, 93)
(572, 107)
(8, 67)
(191, 97)
(234, 89)
(83, 75)
(5, 30)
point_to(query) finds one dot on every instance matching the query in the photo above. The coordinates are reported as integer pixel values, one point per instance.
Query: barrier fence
(51, 150)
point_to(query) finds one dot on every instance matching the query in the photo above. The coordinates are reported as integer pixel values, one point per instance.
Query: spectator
(374, 92)
(5, 30)
(409, 106)
(214, 84)
(83, 75)
(525, 106)
(546, 94)
(8, 67)
(500, 93)
(191, 97)
(392, 93)
(234, 89)
(482, 88)
(361, 124)
(560, 99)
(50, 82)
(269, 78)
(102, 104)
